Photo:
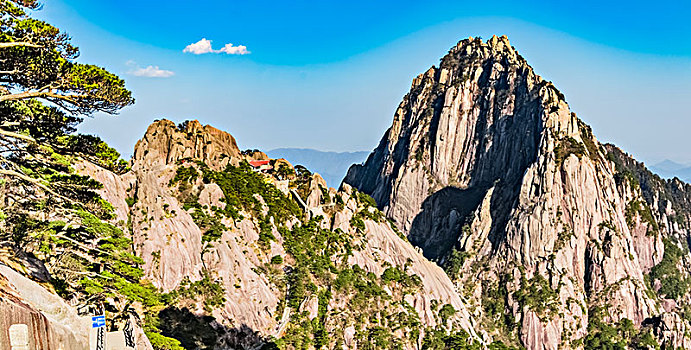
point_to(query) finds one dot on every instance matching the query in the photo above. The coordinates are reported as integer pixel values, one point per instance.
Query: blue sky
(329, 76)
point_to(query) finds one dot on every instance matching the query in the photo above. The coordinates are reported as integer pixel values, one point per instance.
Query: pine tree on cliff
(51, 218)
(44, 94)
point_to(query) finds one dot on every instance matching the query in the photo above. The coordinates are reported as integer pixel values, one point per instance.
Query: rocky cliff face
(52, 324)
(525, 231)
(489, 172)
(218, 254)
(189, 222)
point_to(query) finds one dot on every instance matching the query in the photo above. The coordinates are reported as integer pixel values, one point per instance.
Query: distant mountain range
(332, 166)
(669, 169)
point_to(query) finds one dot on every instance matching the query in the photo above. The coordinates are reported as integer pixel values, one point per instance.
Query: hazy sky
(327, 76)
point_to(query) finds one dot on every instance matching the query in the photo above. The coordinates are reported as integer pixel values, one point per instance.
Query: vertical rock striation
(489, 172)
(171, 243)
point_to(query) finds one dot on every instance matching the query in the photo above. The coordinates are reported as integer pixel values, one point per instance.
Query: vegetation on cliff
(322, 283)
(49, 212)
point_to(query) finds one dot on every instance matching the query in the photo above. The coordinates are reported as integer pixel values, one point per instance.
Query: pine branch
(73, 99)
(33, 181)
(19, 44)
(17, 135)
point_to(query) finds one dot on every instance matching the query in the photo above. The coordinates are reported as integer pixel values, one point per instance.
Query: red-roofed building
(260, 165)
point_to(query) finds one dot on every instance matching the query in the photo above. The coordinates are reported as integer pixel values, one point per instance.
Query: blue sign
(98, 321)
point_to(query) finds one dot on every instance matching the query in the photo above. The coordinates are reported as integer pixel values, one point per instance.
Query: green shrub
(357, 223)
(537, 295)
(587, 137)
(210, 292)
(672, 283)
(161, 342)
(321, 336)
(367, 200)
(454, 263)
(495, 305)
(392, 274)
(568, 146)
(276, 260)
(419, 154)
(184, 174)
(265, 234)
(240, 184)
(210, 224)
(378, 338)
(299, 283)
(641, 209)
(314, 247)
(325, 197)
(94, 147)
(602, 335)
(499, 345)
(438, 339)
(395, 274)
(621, 335)
(446, 312)
(345, 280)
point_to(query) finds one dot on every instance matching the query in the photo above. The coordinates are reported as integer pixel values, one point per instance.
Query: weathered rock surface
(165, 143)
(52, 324)
(543, 233)
(168, 240)
(485, 158)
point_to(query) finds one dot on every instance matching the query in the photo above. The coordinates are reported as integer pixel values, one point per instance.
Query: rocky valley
(488, 217)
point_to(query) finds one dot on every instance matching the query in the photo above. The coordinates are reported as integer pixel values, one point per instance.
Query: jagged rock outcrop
(489, 172)
(165, 143)
(171, 242)
(524, 228)
(165, 234)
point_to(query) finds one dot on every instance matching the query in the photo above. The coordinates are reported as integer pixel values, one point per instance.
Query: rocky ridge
(172, 244)
(231, 257)
(525, 230)
(489, 172)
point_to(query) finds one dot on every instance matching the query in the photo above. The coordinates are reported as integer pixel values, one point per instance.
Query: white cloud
(149, 71)
(204, 46)
(200, 47)
(234, 50)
